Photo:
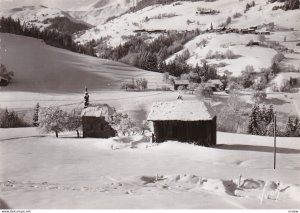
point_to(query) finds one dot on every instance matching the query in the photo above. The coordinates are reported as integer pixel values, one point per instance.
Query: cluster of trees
(145, 3)
(54, 119)
(293, 127)
(65, 25)
(254, 80)
(10, 119)
(248, 6)
(149, 56)
(288, 5)
(51, 37)
(261, 121)
(135, 84)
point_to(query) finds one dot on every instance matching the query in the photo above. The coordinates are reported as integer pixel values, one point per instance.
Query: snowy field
(41, 171)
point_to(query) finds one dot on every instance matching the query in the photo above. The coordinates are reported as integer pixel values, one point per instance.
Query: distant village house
(3, 81)
(180, 83)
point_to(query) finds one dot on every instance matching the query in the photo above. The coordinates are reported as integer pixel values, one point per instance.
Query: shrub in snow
(237, 15)
(124, 125)
(261, 38)
(204, 91)
(259, 96)
(141, 83)
(228, 20)
(5, 73)
(52, 119)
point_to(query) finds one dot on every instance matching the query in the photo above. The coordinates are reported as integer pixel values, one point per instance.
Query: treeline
(145, 3)
(150, 55)
(51, 37)
(261, 122)
(65, 25)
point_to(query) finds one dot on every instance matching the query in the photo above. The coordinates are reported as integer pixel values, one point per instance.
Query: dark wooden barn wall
(93, 127)
(198, 132)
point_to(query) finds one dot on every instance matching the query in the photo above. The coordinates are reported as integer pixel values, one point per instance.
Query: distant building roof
(2, 78)
(103, 110)
(181, 111)
(216, 81)
(181, 82)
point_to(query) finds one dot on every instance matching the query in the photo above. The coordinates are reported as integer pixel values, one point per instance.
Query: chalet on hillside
(185, 121)
(180, 83)
(216, 84)
(95, 122)
(3, 81)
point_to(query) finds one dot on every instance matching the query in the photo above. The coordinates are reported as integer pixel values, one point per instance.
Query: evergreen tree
(86, 98)
(35, 118)
(290, 128)
(253, 126)
(270, 114)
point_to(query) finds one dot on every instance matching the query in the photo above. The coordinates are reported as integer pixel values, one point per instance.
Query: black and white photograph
(149, 105)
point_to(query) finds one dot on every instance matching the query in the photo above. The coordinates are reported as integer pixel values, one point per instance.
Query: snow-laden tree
(53, 119)
(74, 121)
(253, 127)
(124, 125)
(35, 119)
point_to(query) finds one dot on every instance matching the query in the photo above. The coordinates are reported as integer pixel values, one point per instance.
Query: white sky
(61, 4)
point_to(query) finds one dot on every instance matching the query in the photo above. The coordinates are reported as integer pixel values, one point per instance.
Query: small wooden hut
(3, 81)
(185, 121)
(180, 83)
(95, 122)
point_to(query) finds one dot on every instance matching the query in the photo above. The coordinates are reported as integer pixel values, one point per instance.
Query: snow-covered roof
(2, 78)
(216, 81)
(181, 82)
(181, 111)
(98, 111)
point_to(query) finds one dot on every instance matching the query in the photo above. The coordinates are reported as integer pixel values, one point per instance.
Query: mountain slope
(101, 10)
(44, 17)
(183, 16)
(45, 69)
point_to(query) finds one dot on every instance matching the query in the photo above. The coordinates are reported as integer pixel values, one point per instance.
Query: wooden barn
(180, 83)
(3, 81)
(95, 122)
(185, 121)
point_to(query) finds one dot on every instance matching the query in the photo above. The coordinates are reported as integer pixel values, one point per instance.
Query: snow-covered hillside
(182, 16)
(39, 16)
(98, 12)
(258, 57)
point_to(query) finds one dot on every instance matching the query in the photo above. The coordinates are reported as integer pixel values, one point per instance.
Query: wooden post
(275, 142)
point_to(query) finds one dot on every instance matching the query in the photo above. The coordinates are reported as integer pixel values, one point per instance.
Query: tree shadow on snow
(275, 101)
(254, 148)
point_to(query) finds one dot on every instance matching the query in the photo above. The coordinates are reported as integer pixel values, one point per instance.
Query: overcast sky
(62, 4)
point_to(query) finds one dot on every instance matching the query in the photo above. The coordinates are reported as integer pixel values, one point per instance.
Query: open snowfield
(42, 68)
(40, 171)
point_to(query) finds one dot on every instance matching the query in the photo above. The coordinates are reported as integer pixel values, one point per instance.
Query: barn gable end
(185, 121)
(96, 122)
